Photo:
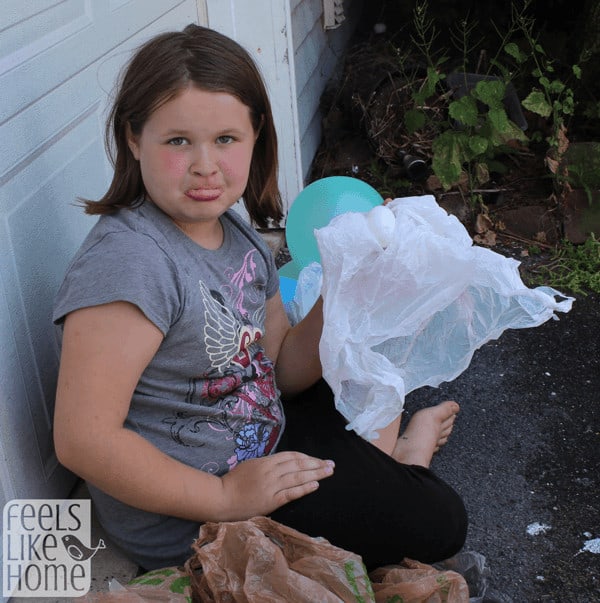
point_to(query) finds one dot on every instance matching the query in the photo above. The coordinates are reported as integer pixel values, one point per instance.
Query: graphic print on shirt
(239, 388)
(226, 337)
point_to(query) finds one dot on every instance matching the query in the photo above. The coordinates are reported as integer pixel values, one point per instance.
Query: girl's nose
(203, 162)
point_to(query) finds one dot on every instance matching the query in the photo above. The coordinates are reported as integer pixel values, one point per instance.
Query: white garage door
(58, 61)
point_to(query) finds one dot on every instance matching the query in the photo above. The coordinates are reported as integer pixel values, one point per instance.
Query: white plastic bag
(306, 294)
(410, 309)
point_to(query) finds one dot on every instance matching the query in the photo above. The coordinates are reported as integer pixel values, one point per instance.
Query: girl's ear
(132, 142)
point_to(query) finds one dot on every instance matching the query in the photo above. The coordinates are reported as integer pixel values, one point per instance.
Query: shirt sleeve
(123, 266)
(272, 284)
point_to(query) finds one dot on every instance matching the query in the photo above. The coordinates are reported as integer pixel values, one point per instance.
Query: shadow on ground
(525, 456)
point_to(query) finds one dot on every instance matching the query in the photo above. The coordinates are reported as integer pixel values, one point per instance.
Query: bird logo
(78, 551)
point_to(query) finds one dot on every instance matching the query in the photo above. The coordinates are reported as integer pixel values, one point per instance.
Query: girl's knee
(453, 524)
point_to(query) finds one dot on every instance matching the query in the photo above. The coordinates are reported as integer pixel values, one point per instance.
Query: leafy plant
(582, 167)
(482, 133)
(574, 268)
(474, 134)
(387, 185)
(476, 129)
(551, 97)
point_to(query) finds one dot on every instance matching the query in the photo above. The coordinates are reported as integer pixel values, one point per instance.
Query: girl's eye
(225, 139)
(178, 141)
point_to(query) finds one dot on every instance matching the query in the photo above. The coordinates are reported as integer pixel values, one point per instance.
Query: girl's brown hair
(160, 69)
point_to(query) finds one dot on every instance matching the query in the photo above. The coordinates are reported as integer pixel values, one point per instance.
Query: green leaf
(414, 119)
(577, 71)
(513, 132)
(556, 87)
(498, 119)
(568, 105)
(464, 110)
(448, 157)
(537, 103)
(429, 85)
(478, 145)
(501, 68)
(490, 92)
(515, 52)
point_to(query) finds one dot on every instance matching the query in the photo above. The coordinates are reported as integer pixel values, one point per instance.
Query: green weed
(574, 268)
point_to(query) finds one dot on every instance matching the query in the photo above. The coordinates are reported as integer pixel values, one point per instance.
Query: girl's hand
(259, 486)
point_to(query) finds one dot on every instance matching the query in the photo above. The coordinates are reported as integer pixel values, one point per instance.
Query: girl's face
(195, 152)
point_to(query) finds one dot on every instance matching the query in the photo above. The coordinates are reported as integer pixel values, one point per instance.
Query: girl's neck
(208, 235)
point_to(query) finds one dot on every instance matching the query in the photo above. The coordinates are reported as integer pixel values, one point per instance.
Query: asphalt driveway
(525, 456)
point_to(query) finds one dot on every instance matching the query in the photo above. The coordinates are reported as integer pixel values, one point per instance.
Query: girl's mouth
(203, 194)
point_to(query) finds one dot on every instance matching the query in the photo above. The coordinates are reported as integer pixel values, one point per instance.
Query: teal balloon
(287, 288)
(317, 205)
(290, 270)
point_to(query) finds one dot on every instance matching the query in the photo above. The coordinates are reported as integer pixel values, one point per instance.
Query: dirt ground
(520, 212)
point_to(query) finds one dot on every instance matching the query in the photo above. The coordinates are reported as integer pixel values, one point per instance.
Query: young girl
(177, 352)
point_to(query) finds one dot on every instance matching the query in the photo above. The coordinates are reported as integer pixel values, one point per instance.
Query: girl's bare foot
(427, 431)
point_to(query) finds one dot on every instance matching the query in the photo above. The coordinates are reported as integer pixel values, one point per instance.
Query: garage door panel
(32, 131)
(58, 64)
(43, 29)
(53, 225)
(33, 69)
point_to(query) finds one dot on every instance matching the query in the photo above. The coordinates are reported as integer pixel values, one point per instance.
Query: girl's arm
(295, 350)
(105, 350)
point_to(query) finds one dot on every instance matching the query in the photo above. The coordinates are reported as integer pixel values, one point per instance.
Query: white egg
(381, 222)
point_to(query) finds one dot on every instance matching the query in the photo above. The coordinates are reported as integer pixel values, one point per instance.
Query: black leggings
(372, 505)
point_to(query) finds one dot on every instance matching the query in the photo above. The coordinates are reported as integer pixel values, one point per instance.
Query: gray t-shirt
(208, 398)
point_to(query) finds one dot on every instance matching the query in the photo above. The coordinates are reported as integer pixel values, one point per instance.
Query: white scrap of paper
(534, 529)
(591, 546)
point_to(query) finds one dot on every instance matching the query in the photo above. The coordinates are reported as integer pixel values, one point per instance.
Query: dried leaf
(483, 223)
(463, 181)
(563, 141)
(482, 173)
(433, 183)
(488, 239)
(551, 164)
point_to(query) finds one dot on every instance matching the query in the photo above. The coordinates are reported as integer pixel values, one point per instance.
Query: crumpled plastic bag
(472, 567)
(408, 299)
(165, 585)
(413, 581)
(263, 561)
(308, 289)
